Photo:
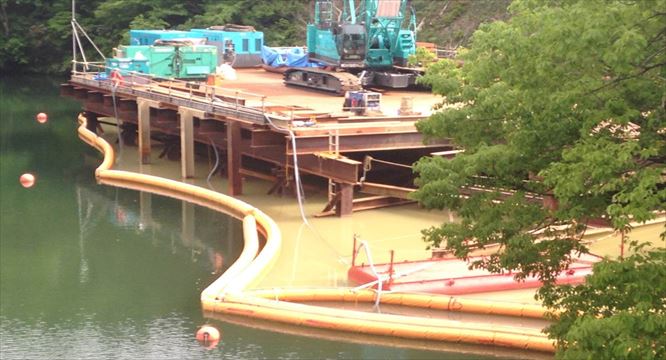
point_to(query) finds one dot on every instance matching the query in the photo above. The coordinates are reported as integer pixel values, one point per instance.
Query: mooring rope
(114, 86)
(217, 163)
(297, 176)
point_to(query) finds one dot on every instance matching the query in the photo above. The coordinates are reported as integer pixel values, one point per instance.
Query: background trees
(565, 99)
(36, 34)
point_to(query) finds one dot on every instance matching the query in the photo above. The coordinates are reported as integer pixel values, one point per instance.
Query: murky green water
(84, 273)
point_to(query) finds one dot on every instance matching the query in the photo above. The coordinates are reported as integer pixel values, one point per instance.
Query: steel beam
(338, 169)
(365, 142)
(345, 199)
(263, 138)
(387, 190)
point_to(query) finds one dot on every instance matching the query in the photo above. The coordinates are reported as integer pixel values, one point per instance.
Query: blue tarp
(286, 56)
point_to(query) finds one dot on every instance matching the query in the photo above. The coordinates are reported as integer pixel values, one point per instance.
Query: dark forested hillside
(450, 23)
(36, 35)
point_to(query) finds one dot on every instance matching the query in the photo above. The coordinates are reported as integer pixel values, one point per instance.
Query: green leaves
(43, 27)
(565, 99)
(619, 313)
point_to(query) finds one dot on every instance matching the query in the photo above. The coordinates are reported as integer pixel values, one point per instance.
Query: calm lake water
(83, 274)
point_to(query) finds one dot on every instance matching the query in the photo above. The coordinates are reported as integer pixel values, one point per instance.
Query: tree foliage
(37, 34)
(451, 23)
(422, 57)
(620, 312)
(566, 101)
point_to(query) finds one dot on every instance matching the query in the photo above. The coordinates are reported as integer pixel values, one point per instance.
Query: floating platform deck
(452, 276)
(253, 120)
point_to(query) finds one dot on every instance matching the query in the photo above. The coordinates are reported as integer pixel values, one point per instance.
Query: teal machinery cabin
(167, 61)
(148, 37)
(372, 35)
(179, 58)
(239, 46)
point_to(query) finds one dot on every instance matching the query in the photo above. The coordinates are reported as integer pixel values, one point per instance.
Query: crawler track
(313, 78)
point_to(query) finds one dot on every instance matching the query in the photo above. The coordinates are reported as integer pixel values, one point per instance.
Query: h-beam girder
(341, 170)
(365, 142)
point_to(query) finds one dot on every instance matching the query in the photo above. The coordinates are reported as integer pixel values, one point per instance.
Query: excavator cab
(350, 43)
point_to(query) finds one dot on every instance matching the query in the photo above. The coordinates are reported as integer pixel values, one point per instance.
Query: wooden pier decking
(252, 119)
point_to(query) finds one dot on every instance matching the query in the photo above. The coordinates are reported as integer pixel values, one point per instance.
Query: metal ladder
(333, 148)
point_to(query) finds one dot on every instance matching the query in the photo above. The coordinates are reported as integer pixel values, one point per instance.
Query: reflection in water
(127, 212)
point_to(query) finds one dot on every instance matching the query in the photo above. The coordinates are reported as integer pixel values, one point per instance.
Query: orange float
(27, 180)
(208, 336)
(42, 118)
(116, 78)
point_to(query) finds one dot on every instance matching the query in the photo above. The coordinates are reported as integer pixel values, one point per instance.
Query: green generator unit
(193, 62)
(237, 45)
(160, 58)
(173, 61)
(127, 65)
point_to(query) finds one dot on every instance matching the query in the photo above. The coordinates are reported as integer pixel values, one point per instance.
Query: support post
(234, 158)
(143, 119)
(345, 199)
(92, 121)
(186, 142)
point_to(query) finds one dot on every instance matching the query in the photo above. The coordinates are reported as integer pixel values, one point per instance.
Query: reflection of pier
(134, 210)
(263, 139)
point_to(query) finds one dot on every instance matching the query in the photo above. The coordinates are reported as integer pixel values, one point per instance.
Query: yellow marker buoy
(27, 180)
(42, 118)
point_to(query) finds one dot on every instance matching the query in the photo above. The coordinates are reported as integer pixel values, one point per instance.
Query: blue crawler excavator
(366, 45)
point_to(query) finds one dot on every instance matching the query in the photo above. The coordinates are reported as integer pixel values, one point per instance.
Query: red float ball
(42, 118)
(211, 344)
(208, 336)
(27, 180)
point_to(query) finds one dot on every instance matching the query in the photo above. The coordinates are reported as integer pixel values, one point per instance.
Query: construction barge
(266, 129)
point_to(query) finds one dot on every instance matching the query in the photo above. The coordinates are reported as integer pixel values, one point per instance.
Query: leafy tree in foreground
(565, 101)
(620, 312)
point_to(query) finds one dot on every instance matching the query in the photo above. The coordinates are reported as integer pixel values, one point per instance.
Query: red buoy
(42, 118)
(27, 180)
(208, 336)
